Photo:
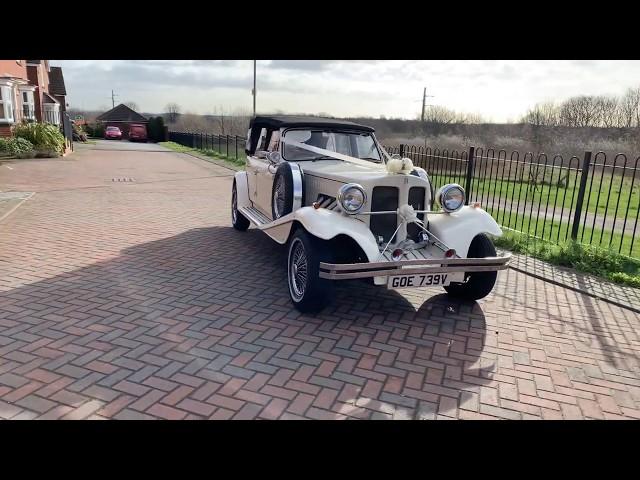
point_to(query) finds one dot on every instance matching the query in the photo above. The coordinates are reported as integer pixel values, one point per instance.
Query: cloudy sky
(499, 90)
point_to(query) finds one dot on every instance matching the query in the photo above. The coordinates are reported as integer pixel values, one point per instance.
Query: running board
(261, 221)
(256, 217)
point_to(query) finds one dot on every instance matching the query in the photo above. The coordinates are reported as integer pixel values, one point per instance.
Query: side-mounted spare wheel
(288, 190)
(478, 284)
(308, 292)
(282, 195)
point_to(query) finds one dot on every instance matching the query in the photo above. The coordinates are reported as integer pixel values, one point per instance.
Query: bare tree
(473, 118)
(578, 112)
(629, 108)
(442, 115)
(173, 111)
(132, 105)
(542, 114)
(190, 122)
(607, 109)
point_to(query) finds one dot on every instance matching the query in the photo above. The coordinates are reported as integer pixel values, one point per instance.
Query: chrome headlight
(352, 198)
(450, 197)
(422, 173)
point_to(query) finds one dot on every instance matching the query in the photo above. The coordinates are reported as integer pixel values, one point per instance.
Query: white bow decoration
(400, 165)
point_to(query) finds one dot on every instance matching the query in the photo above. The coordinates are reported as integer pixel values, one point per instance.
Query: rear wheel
(478, 284)
(308, 292)
(238, 220)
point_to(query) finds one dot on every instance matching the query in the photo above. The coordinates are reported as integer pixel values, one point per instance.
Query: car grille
(416, 200)
(384, 199)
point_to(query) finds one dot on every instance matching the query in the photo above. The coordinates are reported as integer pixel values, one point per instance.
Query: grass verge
(230, 161)
(583, 258)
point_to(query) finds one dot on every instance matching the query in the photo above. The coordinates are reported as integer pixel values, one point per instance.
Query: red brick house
(29, 91)
(122, 117)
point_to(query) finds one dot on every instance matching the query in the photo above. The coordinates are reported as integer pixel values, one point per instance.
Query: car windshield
(112, 129)
(354, 144)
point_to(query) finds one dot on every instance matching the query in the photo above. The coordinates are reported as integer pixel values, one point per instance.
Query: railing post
(227, 146)
(580, 200)
(402, 150)
(467, 183)
(236, 142)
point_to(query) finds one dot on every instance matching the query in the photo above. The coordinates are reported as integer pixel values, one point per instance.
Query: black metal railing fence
(593, 198)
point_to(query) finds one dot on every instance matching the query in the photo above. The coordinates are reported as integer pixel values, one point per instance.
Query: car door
(260, 175)
(266, 175)
(254, 165)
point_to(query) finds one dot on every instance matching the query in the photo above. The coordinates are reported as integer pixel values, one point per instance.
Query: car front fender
(458, 229)
(325, 224)
(242, 189)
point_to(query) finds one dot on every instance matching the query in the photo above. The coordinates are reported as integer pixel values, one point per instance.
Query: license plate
(424, 280)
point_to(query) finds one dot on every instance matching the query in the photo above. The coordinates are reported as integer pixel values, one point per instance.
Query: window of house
(28, 105)
(52, 113)
(6, 104)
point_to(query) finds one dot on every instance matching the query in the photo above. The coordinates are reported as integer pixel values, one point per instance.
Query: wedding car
(347, 210)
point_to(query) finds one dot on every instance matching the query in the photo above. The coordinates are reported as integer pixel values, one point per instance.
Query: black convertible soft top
(278, 121)
(275, 122)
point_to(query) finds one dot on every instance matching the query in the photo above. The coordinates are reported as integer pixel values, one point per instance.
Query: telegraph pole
(254, 88)
(424, 102)
(113, 99)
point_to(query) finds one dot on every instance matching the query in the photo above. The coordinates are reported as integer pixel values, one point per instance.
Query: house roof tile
(121, 113)
(56, 82)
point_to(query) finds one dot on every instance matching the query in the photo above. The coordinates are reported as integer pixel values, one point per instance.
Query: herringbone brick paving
(139, 300)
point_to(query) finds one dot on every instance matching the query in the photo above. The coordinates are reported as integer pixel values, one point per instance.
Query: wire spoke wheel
(298, 269)
(234, 205)
(279, 196)
(238, 220)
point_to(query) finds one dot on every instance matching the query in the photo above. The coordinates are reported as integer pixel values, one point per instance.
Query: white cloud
(497, 89)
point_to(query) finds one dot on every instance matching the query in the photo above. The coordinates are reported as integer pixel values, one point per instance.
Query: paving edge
(215, 161)
(578, 290)
(15, 207)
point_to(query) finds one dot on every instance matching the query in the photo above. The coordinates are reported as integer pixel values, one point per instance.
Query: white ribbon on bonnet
(394, 165)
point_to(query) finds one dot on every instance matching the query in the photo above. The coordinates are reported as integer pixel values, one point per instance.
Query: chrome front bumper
(348, 271)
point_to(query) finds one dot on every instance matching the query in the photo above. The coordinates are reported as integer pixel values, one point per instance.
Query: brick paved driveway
(138, 300)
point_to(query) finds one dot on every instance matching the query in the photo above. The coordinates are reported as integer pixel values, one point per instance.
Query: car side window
(294, 153)
(262, 142)
(274, 142)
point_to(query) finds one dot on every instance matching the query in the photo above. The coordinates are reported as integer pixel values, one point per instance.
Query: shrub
(97, 130)
(19, 146)
(43, 136)
(3, 144)
(155, 129)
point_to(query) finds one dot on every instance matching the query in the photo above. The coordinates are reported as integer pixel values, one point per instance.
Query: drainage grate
(122, 179)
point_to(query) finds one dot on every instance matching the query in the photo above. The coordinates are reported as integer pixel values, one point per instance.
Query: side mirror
(274, 158)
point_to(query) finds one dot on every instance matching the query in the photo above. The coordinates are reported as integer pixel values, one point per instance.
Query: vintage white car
(348, 210)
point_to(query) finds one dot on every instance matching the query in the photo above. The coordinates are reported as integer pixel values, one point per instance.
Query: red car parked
(112, 133)
(137, 133)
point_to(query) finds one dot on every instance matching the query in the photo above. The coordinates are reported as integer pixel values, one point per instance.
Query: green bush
(96, 130)
(3, 144)
(18, 146)
(155, 129)
(43, 136)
